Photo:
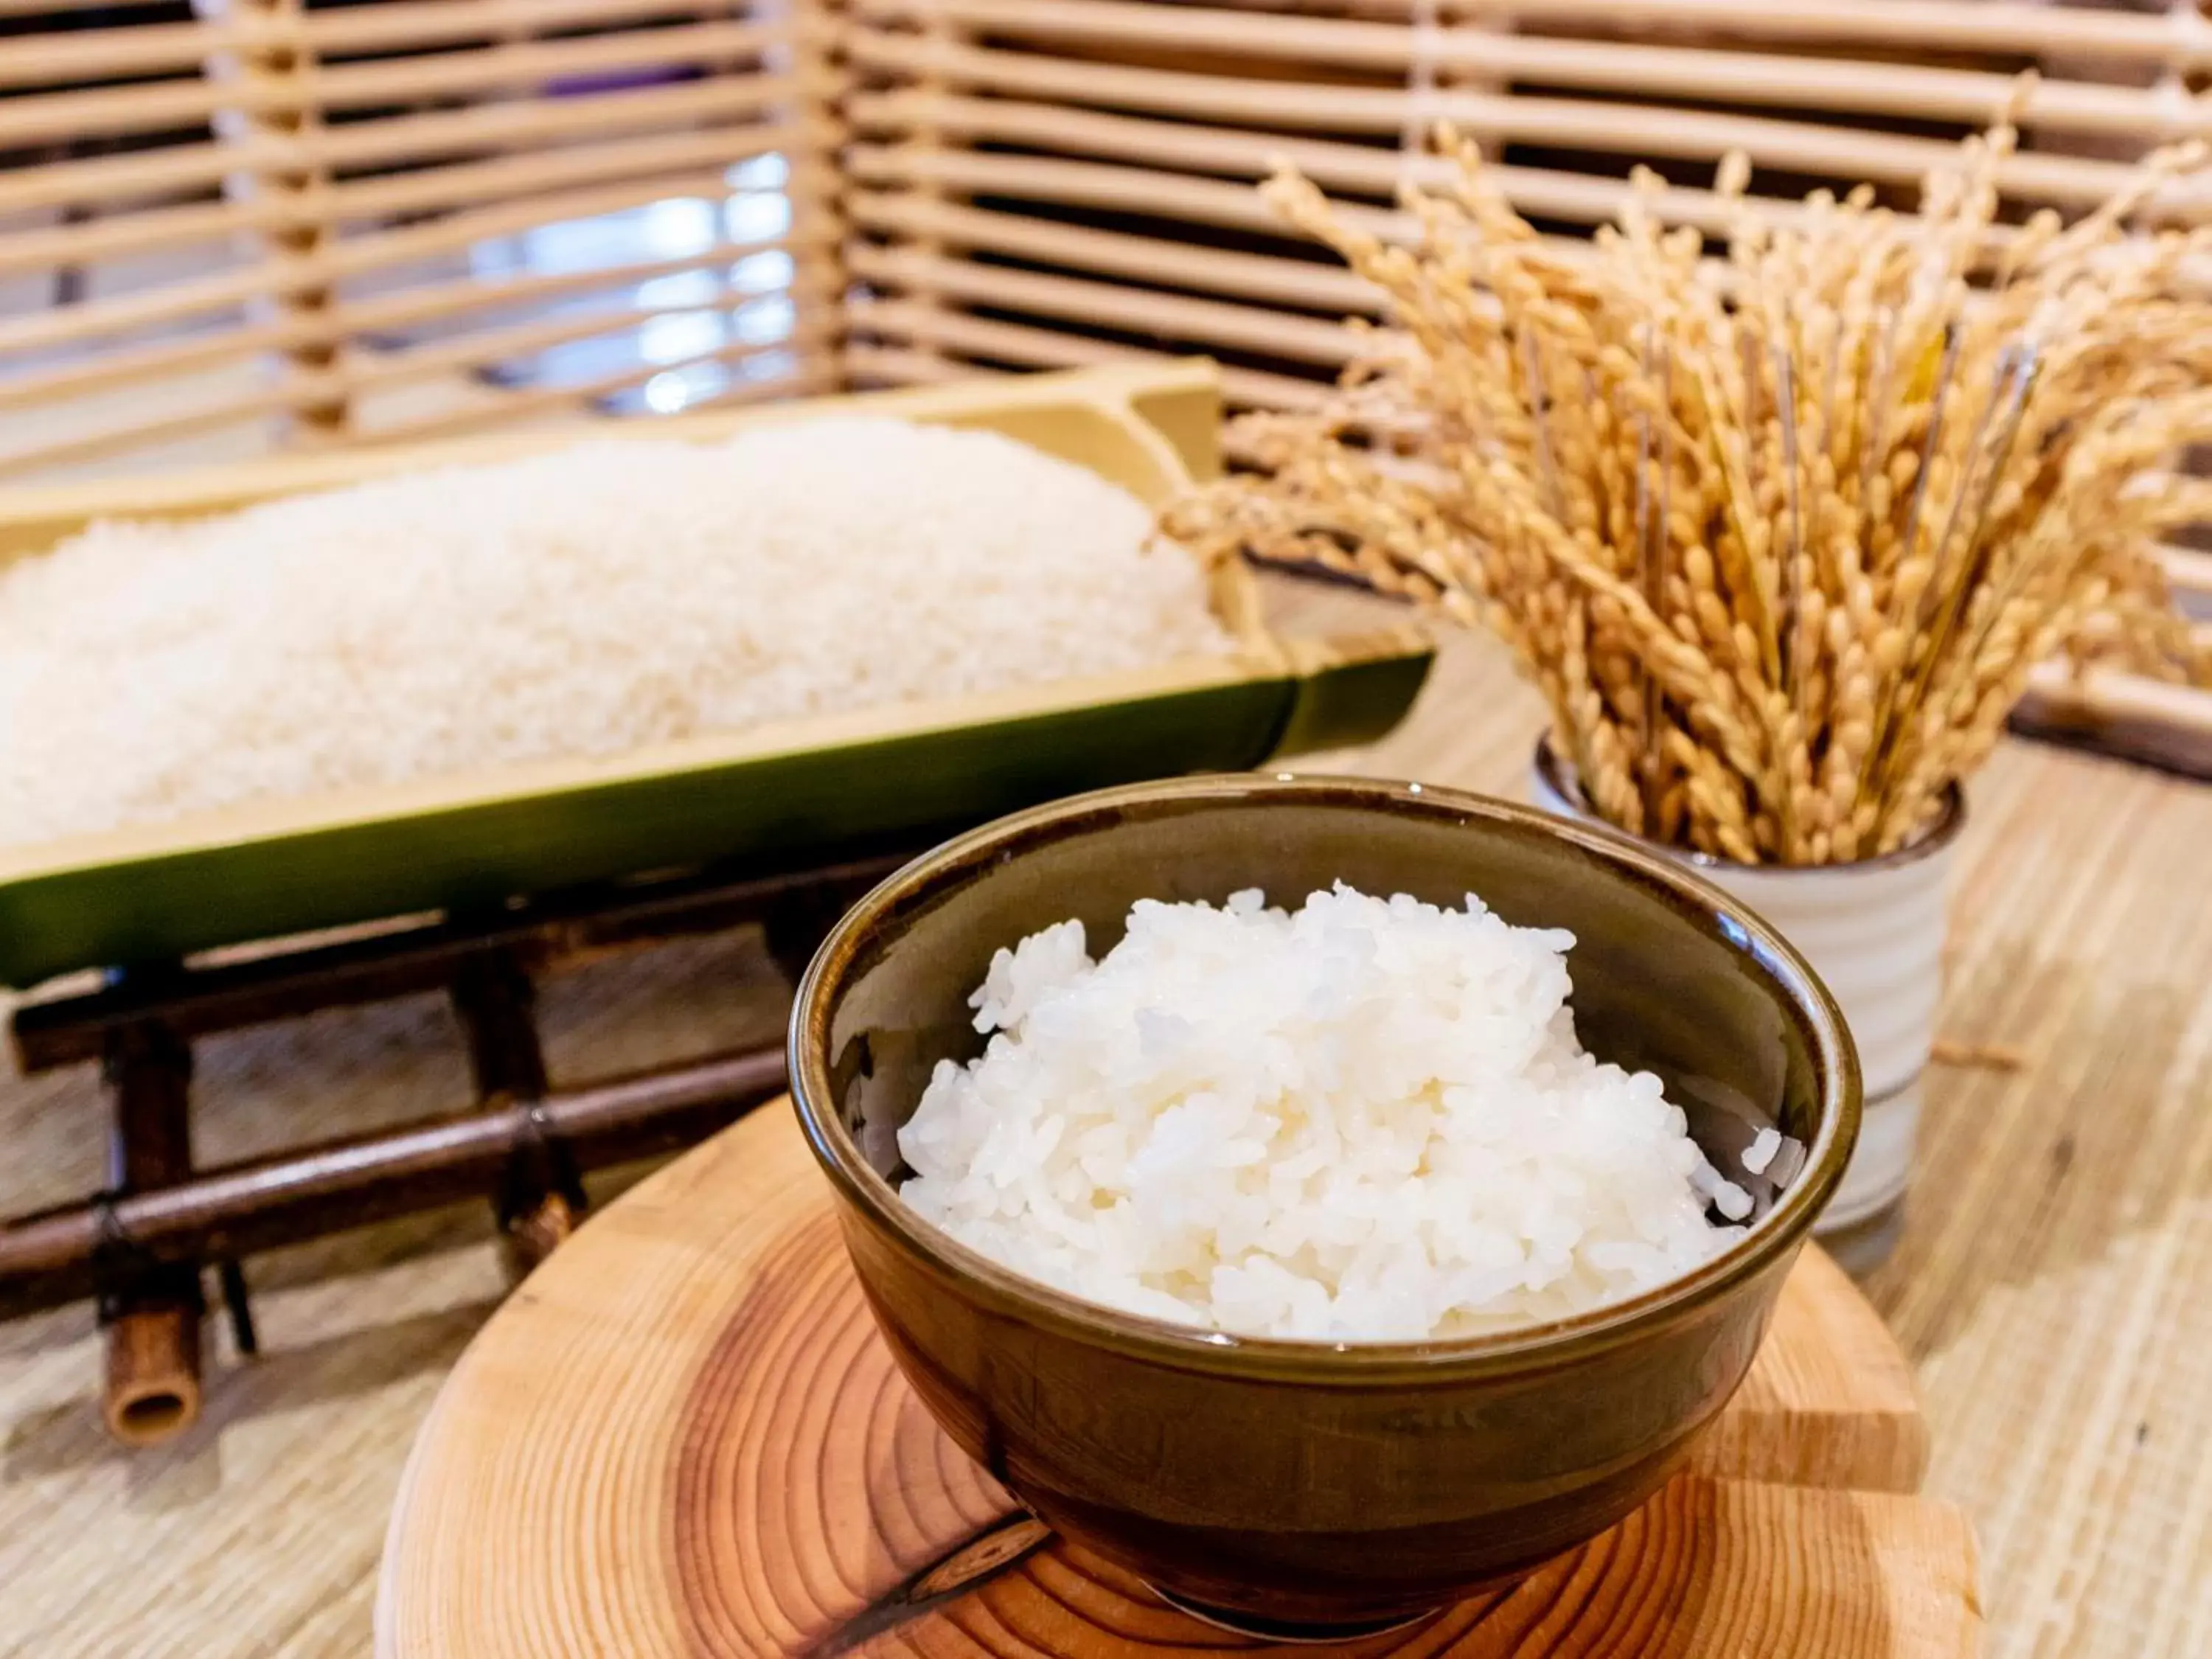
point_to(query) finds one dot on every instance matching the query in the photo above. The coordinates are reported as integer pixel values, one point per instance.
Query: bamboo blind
(294, 216)
(982, 128)
(325, 224)
(1053, 182)
(314, 223)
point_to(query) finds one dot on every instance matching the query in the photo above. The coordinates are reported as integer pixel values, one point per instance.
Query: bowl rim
(1772, 1237)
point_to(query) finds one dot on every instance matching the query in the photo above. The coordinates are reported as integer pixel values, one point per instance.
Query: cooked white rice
(1761, 1151)
(1370, 1121)
(588, 601)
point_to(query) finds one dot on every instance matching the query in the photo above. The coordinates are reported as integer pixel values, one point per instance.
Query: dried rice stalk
(1780, 536)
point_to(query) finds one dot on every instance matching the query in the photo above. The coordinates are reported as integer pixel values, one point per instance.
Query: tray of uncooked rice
(459, 676)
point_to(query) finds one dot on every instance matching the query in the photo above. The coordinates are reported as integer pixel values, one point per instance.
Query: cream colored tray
(793, 790)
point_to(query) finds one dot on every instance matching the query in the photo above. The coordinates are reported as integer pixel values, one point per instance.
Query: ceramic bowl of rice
(1323, 1198)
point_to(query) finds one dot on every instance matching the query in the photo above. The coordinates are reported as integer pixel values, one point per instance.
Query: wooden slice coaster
(682, 1438)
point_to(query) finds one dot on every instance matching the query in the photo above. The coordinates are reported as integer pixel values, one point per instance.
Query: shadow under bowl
(1312, 1482)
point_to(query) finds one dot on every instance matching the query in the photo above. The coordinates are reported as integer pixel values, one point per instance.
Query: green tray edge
(165, 905)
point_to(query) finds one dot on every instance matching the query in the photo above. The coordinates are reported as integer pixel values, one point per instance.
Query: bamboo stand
(151, 1309)
(141, 1246)
(690, 1440)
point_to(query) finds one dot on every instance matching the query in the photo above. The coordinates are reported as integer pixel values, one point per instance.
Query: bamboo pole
(180, 300)
(152, 1387)
(115, 111)
(1188, 321)
(391, 139)
(887, 366)
(1183, 150)
(435, 303)
(1231, 204)
(539, 1203)
(1984, 26)
(936, 333)
(422, 23)
(531, 172)
(142, 365)
(368, 374)
(88, 55)
(151, 1313)
(1690, 72)
(1018, 344)
(197, 420)
(1154, 192)
(1144, 259)
(1634, 130)
(485, 348)
(157, 229)
(276, 84)
(1993, 26)
(46, 8)
(815, 194)
(443, 301)
(506, 408)
(310, 1192)
(934, 37)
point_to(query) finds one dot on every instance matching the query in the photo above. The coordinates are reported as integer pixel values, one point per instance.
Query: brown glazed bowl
(1299, 1483)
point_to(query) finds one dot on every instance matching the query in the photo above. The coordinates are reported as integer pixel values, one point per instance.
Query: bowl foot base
(1290, 1630)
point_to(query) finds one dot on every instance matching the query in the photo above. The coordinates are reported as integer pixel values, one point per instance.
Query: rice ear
(1872, 528)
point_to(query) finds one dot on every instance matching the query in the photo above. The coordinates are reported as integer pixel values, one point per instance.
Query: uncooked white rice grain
(611, 594)
(1368, 1121)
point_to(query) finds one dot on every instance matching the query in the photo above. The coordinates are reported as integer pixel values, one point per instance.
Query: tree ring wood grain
(681, 1438)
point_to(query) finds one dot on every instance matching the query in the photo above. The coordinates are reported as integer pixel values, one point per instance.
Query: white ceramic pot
(1874, 931)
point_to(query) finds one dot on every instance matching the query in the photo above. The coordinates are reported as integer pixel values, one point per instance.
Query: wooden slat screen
(368, 197)
(250, 222)
(225, 224)
(1010, 157)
